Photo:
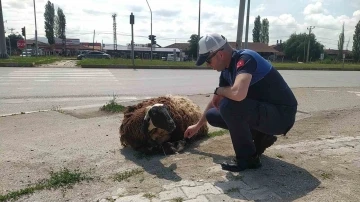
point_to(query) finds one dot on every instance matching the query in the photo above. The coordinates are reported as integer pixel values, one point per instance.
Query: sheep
(158, 124)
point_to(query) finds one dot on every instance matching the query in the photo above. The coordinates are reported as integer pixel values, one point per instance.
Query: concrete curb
(12, 64)
(142, 67)
(207, 68)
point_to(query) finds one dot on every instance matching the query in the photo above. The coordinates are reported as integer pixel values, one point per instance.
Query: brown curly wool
(183, 111)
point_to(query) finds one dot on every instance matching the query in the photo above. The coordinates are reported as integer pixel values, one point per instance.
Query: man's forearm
(230, 93)
(203, 120)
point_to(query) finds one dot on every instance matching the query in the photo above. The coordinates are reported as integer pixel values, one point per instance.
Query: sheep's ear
(146, 121)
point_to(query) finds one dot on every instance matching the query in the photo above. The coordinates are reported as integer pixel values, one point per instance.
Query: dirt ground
(319, 159)
(61, 63)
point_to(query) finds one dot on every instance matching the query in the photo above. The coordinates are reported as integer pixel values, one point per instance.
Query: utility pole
(132, 22)
(309, 28)
(247, 24)
(240, 24)
(199, 28)
(151, 54)
(3, 52)
(9, 46)
(36, 38)
(94, 40)
(114, 30)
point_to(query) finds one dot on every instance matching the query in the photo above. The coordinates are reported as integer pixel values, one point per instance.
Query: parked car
(94, 54)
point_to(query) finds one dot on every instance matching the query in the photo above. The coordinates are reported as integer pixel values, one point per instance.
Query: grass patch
(280, 65)
(137, 62)
(277, 65)
(127, 174)
(36, 60)
(279, 156)
(61, 179)
(112, 106)
(178, 199)
(149, 196)
(218, 133)
(326, 175)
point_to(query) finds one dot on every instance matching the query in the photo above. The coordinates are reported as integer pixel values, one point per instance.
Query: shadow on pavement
(151, 164)
(276, 180)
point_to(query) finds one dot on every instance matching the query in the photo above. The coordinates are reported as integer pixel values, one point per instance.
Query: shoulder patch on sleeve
(240, 63)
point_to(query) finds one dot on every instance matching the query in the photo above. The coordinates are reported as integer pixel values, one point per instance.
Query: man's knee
(230, 108)
(214, 118)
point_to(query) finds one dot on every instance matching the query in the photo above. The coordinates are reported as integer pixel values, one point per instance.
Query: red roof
(258, 47)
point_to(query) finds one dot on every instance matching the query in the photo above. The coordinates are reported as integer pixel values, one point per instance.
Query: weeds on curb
(127, 174)
(112, 106)
(61, 179)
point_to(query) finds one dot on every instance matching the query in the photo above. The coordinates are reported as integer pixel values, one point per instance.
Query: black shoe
(236, 165)
(263, 141)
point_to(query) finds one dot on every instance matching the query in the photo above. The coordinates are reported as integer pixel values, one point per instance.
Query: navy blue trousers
(240, 118)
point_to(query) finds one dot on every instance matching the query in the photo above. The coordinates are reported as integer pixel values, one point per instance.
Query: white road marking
(355, 92)
(24, 88)
(333, 91)
(41, 75)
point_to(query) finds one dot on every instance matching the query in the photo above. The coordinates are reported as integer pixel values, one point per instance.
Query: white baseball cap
(209, 44)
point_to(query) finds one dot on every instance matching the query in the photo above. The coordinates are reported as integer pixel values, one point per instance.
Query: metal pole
(3, 52)
(308, 48)
(240, 23)
(94, 40)
(36, 39)
(132, 44)
(199, 25)
(9, 46)
(150, 31)
(247, 24)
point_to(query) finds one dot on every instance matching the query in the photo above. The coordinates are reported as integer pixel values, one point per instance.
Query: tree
(60, 24)
(257, 29)
(341, 43)
(264, 34)
(193, 45)
(295, 47)
(13, 42)
(49, 22)
(356, 43)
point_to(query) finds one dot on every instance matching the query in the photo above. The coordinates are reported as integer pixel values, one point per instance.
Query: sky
(175, 21)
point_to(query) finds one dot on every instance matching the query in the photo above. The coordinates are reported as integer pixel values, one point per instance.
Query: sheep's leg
(174, 147)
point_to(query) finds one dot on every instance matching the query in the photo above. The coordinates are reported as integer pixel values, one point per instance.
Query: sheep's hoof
(174, 147)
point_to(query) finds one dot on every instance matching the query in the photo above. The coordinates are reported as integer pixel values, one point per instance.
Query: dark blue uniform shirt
(266, 85)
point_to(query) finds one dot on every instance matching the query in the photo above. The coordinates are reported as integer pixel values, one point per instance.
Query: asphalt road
(34, 89)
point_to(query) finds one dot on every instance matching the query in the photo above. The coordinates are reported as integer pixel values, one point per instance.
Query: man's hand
(216, 100)
(191, 130)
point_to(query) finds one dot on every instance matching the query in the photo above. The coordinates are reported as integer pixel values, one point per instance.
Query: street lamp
(3, 52)
(247, 23)
(151, 56)
(36, 40)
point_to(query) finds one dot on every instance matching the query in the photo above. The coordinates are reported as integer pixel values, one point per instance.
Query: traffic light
(23, 31)
(153, 41)
(150, 37)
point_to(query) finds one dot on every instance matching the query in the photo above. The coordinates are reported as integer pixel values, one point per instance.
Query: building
(333, 54)
(70, 47)
(143, 51)
(263, 49)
